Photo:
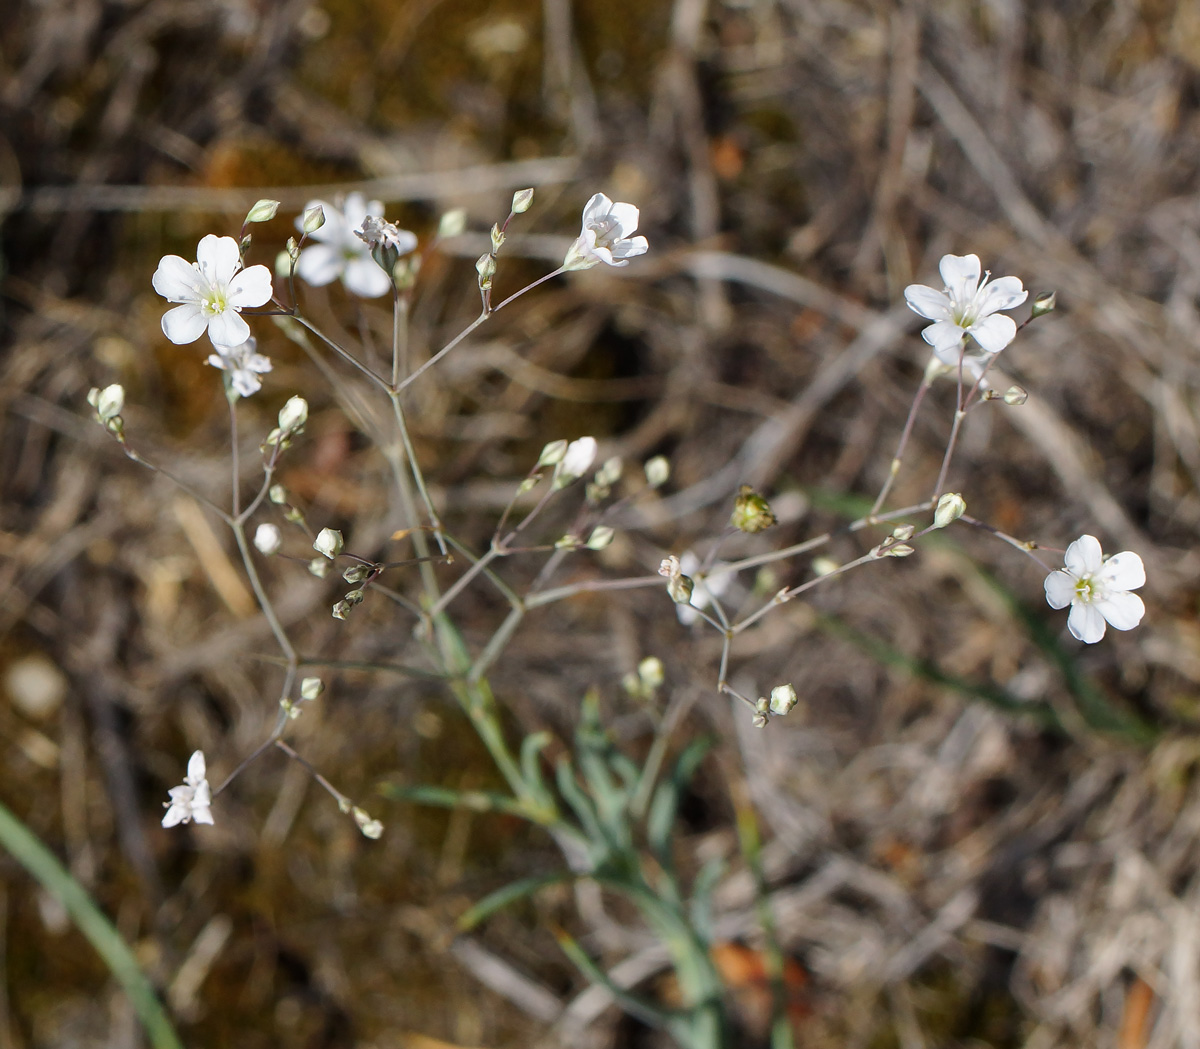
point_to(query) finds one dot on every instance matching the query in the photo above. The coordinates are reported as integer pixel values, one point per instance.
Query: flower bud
(823, 566)
(498, 238)
(277, 494)
(108, 402)
(284, 261)
(267, 539)
(950, 507)
(658, 471)
(314, 219)
(521, 201)
(570, 541)
(1015, 395)
(552, 454)
(485, 266)
(760, 721)
(680, 587)
(329, 542)
(783, 699)
(751, 512)
(576, 461)
(311, 687)
(319, 567)
(601, 537)
(452, 223)
(356, 573)
(903, 532)
(1044, 303)
(372, 829)
(293, 415)
(898, 550)
(610, 473)
(650, 673)
(263, 211)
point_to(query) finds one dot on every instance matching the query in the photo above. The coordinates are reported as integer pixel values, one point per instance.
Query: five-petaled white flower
(211, 291)
(1097, 589)
(243, 364)
(606, 236)
(706, 587)
(191, 800)
(966, 307)
(338, 251)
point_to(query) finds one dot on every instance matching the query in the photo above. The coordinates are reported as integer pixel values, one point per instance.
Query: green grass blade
(44, 866)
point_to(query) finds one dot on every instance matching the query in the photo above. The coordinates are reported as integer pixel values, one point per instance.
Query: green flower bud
(263, 211)
(950, 507)
(314, 219)
(521, 201)
(658, 471)
(1044, 303)
(751, 512)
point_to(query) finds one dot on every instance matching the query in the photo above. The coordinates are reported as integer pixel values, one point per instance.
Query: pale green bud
(283, 262)
(452, 223)
(783, 699)
(521, 201)
(370, 828)
(601, 537)
(567, 542)
(610, 473)
(277, 494)
(314, 219)
(263, 211)
(329, 542)
(293, 415)
(651, 673)
(108, 402)
(1015, 395)
(823, 566)
(903, 532)
(498, 238)
(319, 567)
(311, 687)
(356, 573)
(485, 266)
(751, 512)
(1044, 303)
(950, 507)
(680, 588)
(658, 471)
(552, 454)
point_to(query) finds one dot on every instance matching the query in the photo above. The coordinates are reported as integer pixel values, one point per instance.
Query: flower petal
(196, 768)
(1060, 589)
(1084, 557)
(943, 337)
(1085, 623)
(928, 302)
(184, 323)
(595, 209)
(319, 264)
(251, 287)
(1123, 610)
(227, 329)
(994, 333)
(961, 275)
(218, 258)
(626, 218)
(175, 814)
(1002, 294)
(366, 277)
(631, 246)
(1123, 571)
(177, 280)
(202, 815)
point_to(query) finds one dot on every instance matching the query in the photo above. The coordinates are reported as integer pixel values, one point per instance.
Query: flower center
(1084, 590)
(214, 302)
(603, 229)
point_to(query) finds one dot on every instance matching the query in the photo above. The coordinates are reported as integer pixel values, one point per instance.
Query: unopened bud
(680, 588)
(267, 539)
(521, 201)
(1044, 303)
(751, 512)
(319, 567)
(570, 541)
(356, 573)
(284, 261)
(651, 673)
(1016, 395)
(372, 829)
(486, 268)
(329, 542)
(658, 471)
(108, 402)
(903, 532)
(899, 550)
(277, 494)
(610, 473)
(314, 219)
(498, 238)
(293, 415)
(311, 687)
(601, 537)
(263, 211)
(823, 566)
(576, 461)
(783, 699)
(950, 507)
(552, 454)
(452, 223)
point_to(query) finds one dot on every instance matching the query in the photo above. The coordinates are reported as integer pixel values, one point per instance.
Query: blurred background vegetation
(976, 831)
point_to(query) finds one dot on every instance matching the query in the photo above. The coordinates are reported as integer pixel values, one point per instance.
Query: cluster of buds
(109, 403)
(310, 689)
(646, 681)
(896, 544)
(370, 828)
(292, 418)
(485, 265)
(783, 699)
(601, 485)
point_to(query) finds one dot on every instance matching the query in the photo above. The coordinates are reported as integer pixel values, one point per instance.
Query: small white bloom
(108, 402)
(704, 588)
(328, 542)
(243, 364)
(966, 307)
(267, 539)
(1097, 589)
(212, 291)
(376, 233)
(605, 236)
(338, 252)
(191, 800)
(576, 461)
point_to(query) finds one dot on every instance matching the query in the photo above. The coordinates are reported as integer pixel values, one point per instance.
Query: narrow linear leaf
(507, 896)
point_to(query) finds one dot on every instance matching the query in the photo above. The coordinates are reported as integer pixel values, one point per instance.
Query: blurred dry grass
(946, 874)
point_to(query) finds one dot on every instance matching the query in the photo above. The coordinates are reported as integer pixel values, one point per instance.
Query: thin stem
(264, 602)
(136, 457)
(496, 644)
(548, 597)
(787, 595)
(529, 287)
(399, 335)
(344, 803)
(898, 458)
(483, 316)
(415, 467)
(1026, 546)
(346, 355)
(234, 464)
(463, 581)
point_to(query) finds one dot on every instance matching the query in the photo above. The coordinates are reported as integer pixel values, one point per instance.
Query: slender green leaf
(665, 804)
(449, 798)
(508, 895)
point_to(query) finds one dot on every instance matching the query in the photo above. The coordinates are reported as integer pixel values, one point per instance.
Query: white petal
(944, 336)
(196, 769)
(175, 814)
(366, 277)
(184, 323)
(928, 302)
(1060, 589)
(176, 279)
(1123, 610)
(202, 815)
(1123, 571)
(245, 383)
(319, 264)
(606, 256)
(1002, 294)
(596, 208)
(218, 258)
(961, 275)
(716, 585)
(1084, 557)
(228, 329)
(256, 362)
(628, 248)
(1085, 623)
(626, 217)
(251, 287)
(994, 333)
(216, 360)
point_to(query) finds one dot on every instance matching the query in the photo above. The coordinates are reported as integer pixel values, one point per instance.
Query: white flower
(267, 539)
(243, 364)
(191, 800)
(966, 307)
(605, 236)
(576, 461)
(338, 252)
(705, 588)
(212, 291)
(1097, 589)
